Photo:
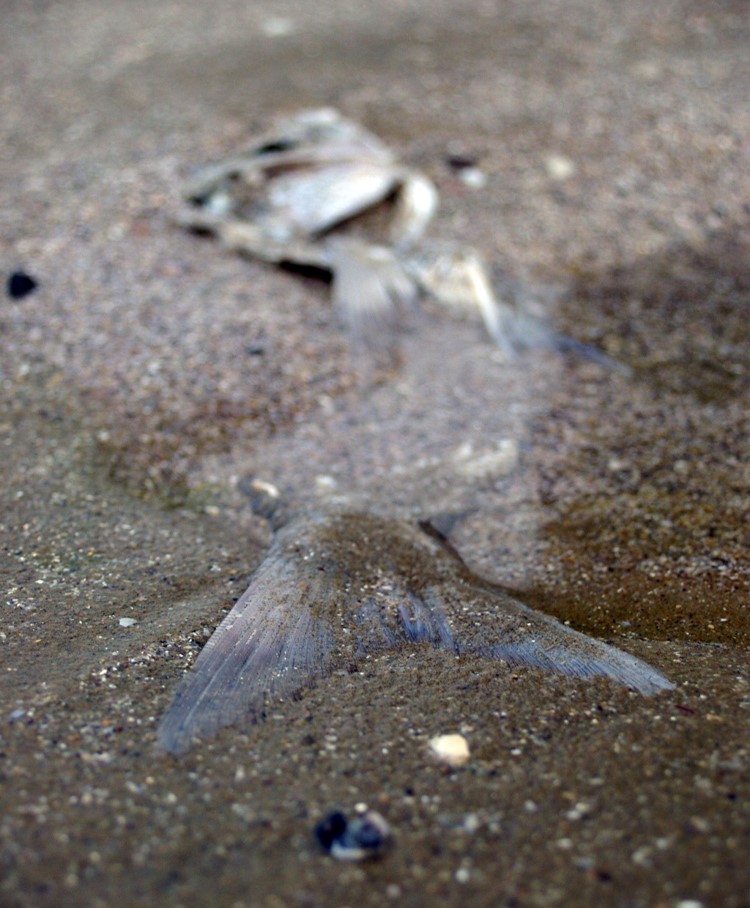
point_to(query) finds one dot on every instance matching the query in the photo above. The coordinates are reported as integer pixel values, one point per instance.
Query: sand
(151, 374)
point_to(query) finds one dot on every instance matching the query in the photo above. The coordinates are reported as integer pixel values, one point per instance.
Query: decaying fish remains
(320, 191)
(341, 580)
(339, 585)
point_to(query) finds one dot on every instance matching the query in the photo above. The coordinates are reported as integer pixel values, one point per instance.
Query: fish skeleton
(307, 194)
(350, 575)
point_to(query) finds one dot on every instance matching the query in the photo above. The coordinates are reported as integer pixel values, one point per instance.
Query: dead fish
(338, 585)
(308, 194)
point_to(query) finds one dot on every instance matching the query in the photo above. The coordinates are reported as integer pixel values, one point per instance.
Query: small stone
(578, 812)
(473, 177)
(453, 750)
(20, 285)
(559, 167)
(472, 823)
(642, 856)
(127, 622)
(364, 837)
(459, 162)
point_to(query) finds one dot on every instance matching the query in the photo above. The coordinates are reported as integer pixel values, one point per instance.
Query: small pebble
(20, 285)
(559, 167)
(353, 840)
(472, 823)
(453, 750)
(127, 622)
(459, 162)
(473, 177)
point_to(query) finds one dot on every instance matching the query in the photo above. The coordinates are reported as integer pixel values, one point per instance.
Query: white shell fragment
(559, 167)
(451, 750)
(321, 191)
(473, 177)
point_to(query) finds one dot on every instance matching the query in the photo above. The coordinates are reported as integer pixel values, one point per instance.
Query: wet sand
(151, 373)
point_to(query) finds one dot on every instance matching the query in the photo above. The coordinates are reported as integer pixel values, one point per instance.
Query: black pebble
(20, 285)
(365, 836)
(460, 161)
(331, 829)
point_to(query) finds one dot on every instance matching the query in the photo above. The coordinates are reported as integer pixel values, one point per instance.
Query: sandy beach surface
(151, 375)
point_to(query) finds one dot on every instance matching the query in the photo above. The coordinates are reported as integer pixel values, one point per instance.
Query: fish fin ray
(269, 646)
(492, 624)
